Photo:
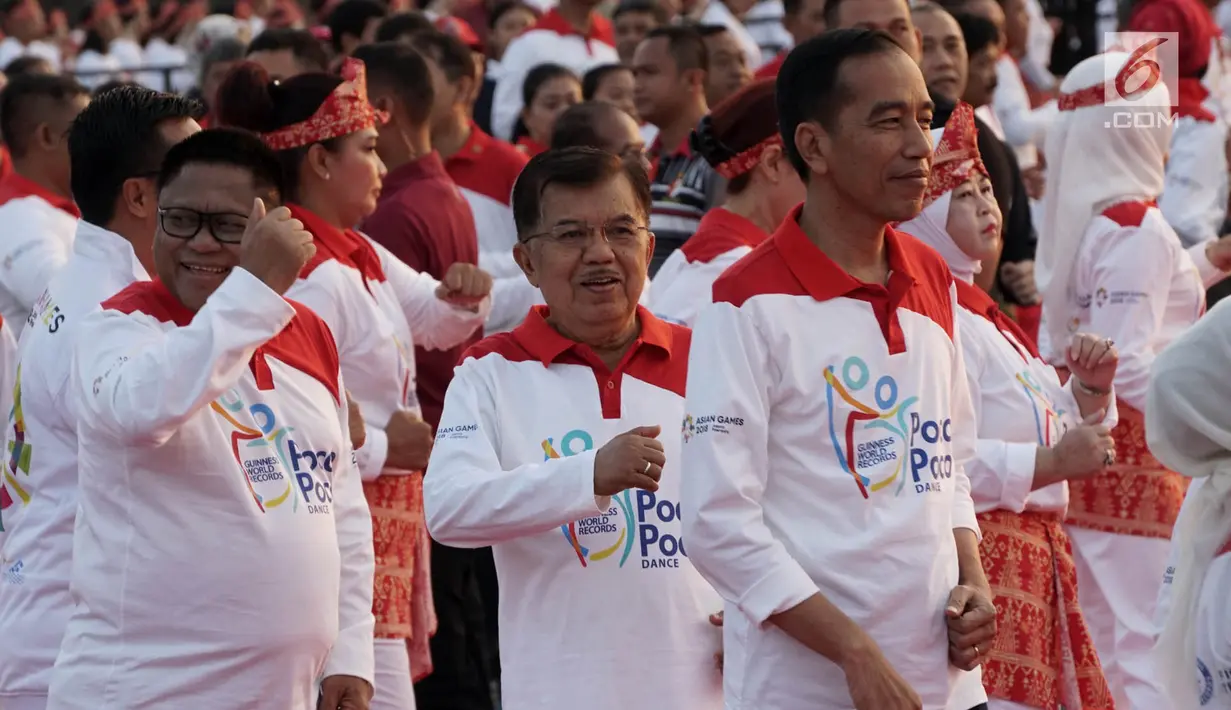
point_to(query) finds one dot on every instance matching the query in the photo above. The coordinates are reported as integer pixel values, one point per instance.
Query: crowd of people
(348, 355)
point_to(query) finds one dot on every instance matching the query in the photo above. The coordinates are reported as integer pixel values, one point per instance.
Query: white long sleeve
(353, 653)
(964, 430)
(1135, 272)
(470, 500)
(1022, 125)
(724, 476)
(140, 384)
(436, 325)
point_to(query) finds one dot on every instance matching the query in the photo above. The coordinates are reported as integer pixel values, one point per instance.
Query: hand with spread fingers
(971, 618)
(633, 459)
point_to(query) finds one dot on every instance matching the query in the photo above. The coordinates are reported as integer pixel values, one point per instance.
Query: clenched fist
(275, 246)
(464, 285)
(1083, 452)
(410, 441)
(1092, 360)
(633, 459)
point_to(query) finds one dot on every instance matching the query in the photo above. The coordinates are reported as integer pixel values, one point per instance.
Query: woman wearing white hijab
(1034, 435)
(1186, 417)
(1108, 263)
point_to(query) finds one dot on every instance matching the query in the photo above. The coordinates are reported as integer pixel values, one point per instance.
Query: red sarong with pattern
(1137, 496)
(1043, 656)
(402, 600)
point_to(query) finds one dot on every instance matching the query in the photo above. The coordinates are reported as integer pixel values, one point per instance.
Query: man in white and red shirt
(37, 214)
(118, 139)
(571, 34)
(580, 499)
(823, 489)
(223, 544)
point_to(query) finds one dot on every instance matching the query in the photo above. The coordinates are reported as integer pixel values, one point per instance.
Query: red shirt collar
(719, 232)
(824, 280)
(472, 149)
(15, 186)
(600, 27)
(530, 147)
(547, 345)
(343, 245)
(973, 299)
(427, 167)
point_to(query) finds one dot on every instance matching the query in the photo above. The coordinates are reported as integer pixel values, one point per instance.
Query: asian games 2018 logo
(19, 452)
(876, 441)
(1047, 418)
(267, 453)
(689, 428)
(599, 537)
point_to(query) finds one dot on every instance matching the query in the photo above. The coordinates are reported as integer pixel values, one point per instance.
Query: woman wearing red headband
(378, 308)
(740, 140)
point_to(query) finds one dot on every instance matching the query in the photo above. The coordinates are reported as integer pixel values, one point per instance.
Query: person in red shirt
(483, 167)
(421, 216)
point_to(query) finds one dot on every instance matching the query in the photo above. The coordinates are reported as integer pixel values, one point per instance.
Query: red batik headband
(1099, 94)
(345, 111)
(956, 156)
(748, 159)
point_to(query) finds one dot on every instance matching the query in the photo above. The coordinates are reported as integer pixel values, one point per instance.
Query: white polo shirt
(36, 237)
(41, 433)
(827, 431)
(600, 607)
(223, 547)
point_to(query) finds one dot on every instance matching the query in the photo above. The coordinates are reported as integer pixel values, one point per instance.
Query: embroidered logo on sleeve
(458, 432)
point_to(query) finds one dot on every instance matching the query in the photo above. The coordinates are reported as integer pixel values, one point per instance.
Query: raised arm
(141, 382)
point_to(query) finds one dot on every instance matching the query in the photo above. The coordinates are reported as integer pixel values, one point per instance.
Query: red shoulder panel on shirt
(930, 295)
(762, 271)
(502, 344)
(306, 344)
(1128, 214)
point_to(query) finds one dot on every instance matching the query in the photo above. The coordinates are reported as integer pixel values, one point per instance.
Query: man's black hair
(506, 7)
(116, 138)
(229, 147)
(112, 85)
(810, 86)
(24, 103)
(402, 24)
(711, 30)
(594, 78)
(792, 7)
(685, 45)
(578, 125)
(648, 7)
(401, 69)
(978, 32)
(28, 64)
(572, 167)
(351, 17)
(305, 47)
(450, 54)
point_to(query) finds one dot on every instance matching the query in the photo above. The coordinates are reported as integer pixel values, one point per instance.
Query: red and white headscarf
(1094, 164)
(346, 111)
(955, 160)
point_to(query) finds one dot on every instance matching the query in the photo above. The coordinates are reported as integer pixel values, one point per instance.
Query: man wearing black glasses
(225, 545)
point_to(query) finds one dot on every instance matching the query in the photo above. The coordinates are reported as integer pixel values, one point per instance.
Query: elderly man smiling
(549, 451)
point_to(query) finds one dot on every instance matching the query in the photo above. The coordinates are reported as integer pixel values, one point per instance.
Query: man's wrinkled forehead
(595, 204)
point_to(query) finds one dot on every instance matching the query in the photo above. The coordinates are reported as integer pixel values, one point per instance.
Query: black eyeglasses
(578, 235)
(185, 223)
